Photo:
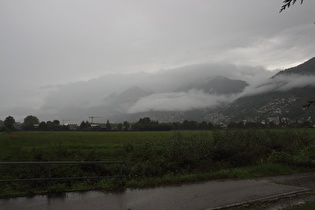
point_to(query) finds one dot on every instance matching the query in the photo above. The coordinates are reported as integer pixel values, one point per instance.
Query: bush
(289, 141)
(247, 147)
(186, 153)
(300, 159)
(239, 147)
(178, 154)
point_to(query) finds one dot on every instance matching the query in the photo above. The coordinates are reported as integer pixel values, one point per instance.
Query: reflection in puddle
(193, 196)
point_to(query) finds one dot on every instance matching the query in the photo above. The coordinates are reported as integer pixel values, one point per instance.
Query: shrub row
(222, 149)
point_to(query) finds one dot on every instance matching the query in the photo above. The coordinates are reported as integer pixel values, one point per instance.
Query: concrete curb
(263, 200)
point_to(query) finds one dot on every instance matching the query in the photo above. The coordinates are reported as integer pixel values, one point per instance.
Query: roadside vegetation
(306, 206)
(153, 158)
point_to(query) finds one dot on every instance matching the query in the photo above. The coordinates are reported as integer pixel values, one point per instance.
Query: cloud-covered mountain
(121, 102)
(306, 68)
(191, 92)
(218, 85)
(178, 92)
(281, 95)
(202, 94)
(179, 101)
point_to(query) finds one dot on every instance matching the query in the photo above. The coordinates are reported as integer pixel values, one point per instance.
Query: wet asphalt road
(206, 195)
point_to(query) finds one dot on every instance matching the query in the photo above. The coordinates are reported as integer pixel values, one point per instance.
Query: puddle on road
(190, 196)
(69, 201)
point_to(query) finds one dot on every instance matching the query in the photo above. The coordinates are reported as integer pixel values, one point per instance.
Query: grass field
(154, 158)
(71, 146)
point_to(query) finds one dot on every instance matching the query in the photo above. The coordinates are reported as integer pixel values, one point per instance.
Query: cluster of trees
(51, 126)
(241, 124)
(193, 125)
(9, 122)
(28, 123)
(32, 123)
(144, 124)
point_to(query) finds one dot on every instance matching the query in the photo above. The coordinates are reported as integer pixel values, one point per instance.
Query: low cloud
(179, 101)
(93, 92)
(280, 83)
(284, 49)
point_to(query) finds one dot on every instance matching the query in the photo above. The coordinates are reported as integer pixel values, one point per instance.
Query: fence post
(49, 174)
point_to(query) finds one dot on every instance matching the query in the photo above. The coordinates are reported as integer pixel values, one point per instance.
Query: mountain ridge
(274, 102)
(306, 68)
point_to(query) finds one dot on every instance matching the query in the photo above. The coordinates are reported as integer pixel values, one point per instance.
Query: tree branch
(287, 4)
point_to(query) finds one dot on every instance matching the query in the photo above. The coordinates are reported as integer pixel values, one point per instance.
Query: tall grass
(223, 149)
(155, 156)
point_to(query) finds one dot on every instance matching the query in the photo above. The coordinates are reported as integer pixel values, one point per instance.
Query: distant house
(95, 125)
(275, 120)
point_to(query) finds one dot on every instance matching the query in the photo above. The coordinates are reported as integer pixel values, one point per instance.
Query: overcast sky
(45, 44)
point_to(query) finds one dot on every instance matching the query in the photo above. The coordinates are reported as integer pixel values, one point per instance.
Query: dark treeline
(51, 126)
(32, 123)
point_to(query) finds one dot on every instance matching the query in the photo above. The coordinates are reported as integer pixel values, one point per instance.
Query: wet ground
(306, 180)
(242, 194)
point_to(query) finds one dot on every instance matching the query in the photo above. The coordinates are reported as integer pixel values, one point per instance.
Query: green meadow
(152, 158)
